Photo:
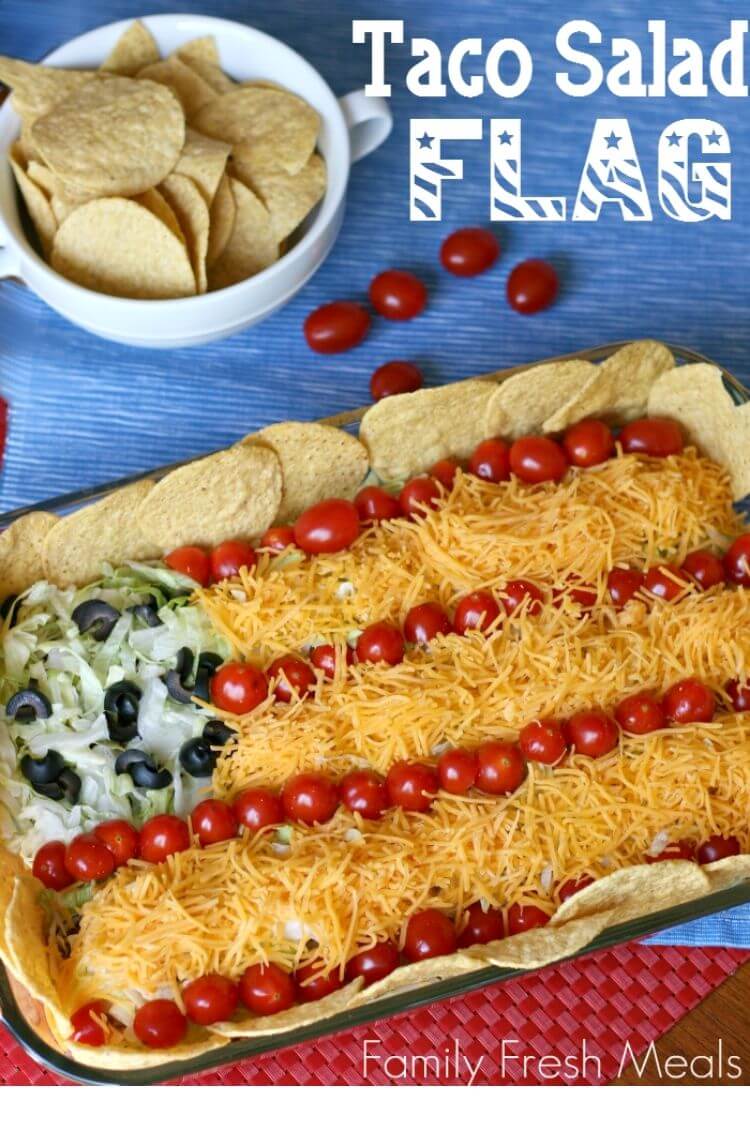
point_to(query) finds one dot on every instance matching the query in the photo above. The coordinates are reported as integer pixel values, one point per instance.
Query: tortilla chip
(154, 201)
(728, 872)
(222, 217)
(11, 867)
(21, 553)
(405, 434)
(27, 951)
(119, 247)
(618, 389)
(37, 204)
(520, 404)
(421, 974)
(631, 892)
(317, 462)
(187, 86)
(113, 136)
(135, 49)
(203, 57)
(106, 532)
(541, 946)
(197, 1042)
(288, 199)
(281, 127)
(695, 395)
(251, 246)
(204, 160)
(37, 89)
(187, 203)
(232, 494)
(299, 1016)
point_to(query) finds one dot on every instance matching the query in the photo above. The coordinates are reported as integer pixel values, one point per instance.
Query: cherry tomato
(520, 593)
(666, 582)
(374, 963)
(87, 858)
(365, 792)
(228, 557)
(542, 741)
(293, 677)
(429, 933)
(190, 561)
(211, 998)
(482, 926)
(213, 821)
(490, 461)
(238, 688)
(49, 866)
(588, 442)
(592, 733)
(536, 458)
(162, 836)
(424, 622)
(477, 611)
(623, 584)
(375, 504)
(584, 596)
(336, 327)
(673, 852)
(706, 568)
(412, 786)
(329, 526)
(656, 437)
(397, 295)
(122, 839)
(381, 642)
(639, 714)
(309, 798)
(689, 702)
(522, 918)
(572, 886)
(278, 538)
(160, 1024)
(395, 378)
(500, 767)
(419, 495)
(469, 251)
(86, 1030)
(739, 695)
(445, 472)
(532, 286)
(324, 657)
(737, 561)
(716, 847)
(314, 984)
(457, 771)
(257, 808)
(267, 989)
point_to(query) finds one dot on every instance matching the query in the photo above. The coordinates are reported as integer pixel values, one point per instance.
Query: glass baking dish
(11, 1004)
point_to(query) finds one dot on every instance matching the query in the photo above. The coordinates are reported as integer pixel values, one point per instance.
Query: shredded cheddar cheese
(343, 886)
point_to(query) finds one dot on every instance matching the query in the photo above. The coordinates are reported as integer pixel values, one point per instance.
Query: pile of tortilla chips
(161, 178)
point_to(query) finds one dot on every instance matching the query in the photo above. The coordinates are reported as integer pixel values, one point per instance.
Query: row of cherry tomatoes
(312, 798)
(267, 989)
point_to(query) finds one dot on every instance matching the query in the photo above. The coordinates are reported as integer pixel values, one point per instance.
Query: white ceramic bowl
(351, 127)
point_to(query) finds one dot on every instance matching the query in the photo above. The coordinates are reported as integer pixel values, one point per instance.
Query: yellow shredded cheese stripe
(222, 908)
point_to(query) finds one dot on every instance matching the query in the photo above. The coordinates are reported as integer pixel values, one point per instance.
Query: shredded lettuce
(46, 650)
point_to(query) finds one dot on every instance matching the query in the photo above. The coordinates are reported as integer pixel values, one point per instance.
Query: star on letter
(713, 138)
(425, 141)
(504, 138)
(673, 139)
(613, 141)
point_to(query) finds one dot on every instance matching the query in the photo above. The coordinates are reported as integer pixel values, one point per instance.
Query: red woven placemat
(594, 1006)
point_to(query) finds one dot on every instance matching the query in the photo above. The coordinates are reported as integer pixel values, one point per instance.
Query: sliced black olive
(197, 757)
(142, 770)
(28, 705)
(9, 609)
(176, 689)
(146, 612)
(184, 662)
(96, 617)
(121, 710)
(45, 770)
(67, 786)
(217, 734)
(208, 663)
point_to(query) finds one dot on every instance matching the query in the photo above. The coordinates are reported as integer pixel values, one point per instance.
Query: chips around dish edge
(520, 404)
(21, 552)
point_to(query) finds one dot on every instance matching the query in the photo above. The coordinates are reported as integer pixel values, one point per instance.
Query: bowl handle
(369, 122)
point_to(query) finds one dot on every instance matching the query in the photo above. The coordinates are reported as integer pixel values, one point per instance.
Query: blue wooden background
(83, 410)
